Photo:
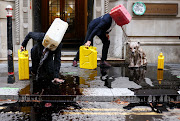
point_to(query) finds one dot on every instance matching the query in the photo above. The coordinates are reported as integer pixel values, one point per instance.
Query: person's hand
(57, 80)
(107, 35)
(22, 48)
(88, 43)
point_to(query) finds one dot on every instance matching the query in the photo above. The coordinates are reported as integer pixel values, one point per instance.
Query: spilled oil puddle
(69, 87)
(45, 111)
(120, 93)
(109, 82)
(33, 111)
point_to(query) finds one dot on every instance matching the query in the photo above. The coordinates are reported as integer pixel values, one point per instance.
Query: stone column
(17, 22)
(106, 6)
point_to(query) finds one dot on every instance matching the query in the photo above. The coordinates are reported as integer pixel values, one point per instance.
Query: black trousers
(105, 41)
(46, 72)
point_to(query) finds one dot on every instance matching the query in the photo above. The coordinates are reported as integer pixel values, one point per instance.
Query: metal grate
(74, 98)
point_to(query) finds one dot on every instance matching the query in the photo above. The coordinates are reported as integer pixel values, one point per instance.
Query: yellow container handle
(90, 47)
(23, 52)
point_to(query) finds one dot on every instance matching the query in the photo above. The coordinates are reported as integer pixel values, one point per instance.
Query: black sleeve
(96, 29)
(104, 25)
(57, 61)
(37, 36)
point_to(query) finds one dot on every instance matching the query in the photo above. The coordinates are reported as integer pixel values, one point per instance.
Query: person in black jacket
(101, 27)
(50, 67)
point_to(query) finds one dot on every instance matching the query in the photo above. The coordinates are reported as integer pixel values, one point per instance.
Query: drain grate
(75, 98)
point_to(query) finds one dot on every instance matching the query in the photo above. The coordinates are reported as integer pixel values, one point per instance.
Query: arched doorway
(72, 11)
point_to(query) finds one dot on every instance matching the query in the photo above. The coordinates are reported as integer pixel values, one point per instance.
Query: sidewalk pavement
(10, 89)
(96, 87)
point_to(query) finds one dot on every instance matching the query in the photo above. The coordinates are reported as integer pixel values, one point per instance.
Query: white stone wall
(22, 26)
(3, 28)
(26, 21)
(155, 33)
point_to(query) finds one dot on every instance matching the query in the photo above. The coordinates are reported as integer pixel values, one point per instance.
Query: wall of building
(26, 21)
(155, 33)
(21, 25)
(3, 27)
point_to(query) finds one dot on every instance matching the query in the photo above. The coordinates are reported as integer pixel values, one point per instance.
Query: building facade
(158, 29)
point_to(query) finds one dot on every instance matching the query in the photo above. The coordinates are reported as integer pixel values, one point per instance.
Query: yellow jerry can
(88, 57)
(23, 64)
(160, 61)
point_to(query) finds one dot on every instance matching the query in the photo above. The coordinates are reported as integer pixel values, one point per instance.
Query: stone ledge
(161, 43)
(71, 58)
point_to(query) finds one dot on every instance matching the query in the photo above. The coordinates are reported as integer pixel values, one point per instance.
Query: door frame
(81, 12)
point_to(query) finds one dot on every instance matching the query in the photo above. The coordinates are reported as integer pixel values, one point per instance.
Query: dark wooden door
(72, 11)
